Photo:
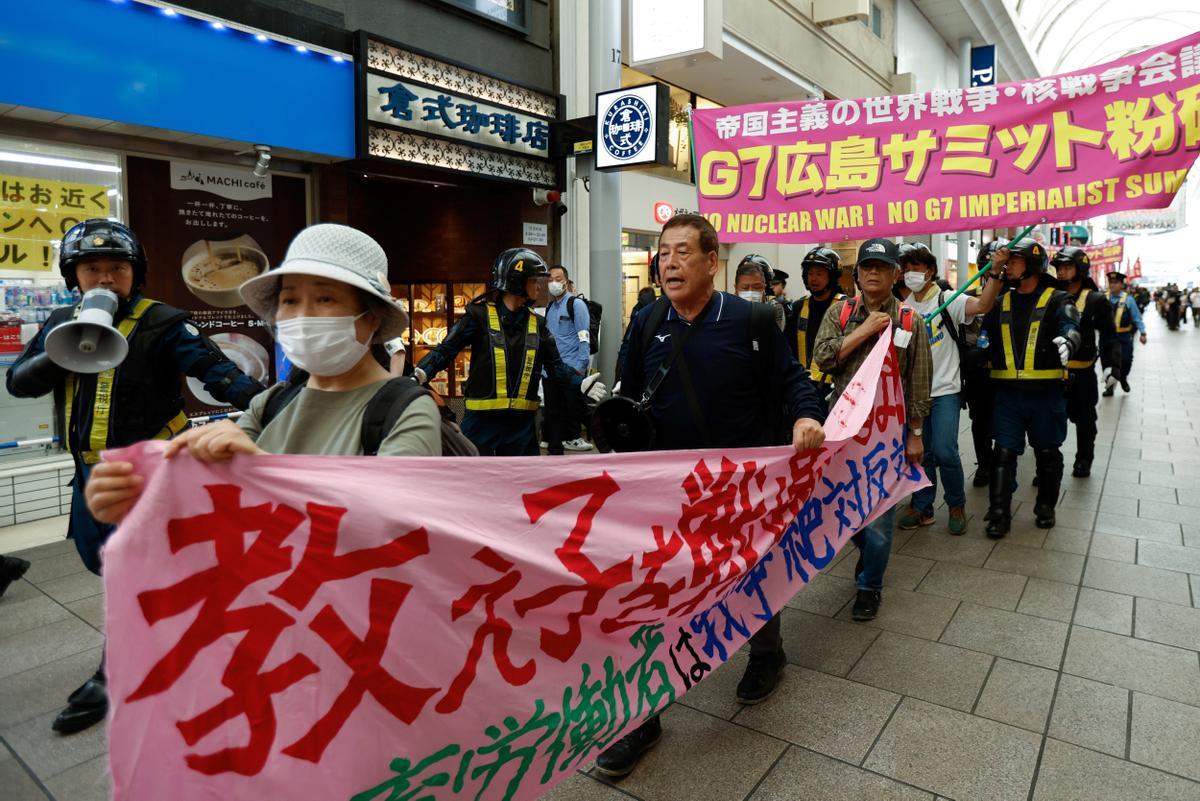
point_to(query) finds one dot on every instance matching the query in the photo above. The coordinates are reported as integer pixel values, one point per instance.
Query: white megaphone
(89, 343)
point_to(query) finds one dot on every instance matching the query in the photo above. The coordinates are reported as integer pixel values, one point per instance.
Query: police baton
(976, 277)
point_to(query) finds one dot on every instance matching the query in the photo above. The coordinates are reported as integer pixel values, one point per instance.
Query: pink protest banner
(1105, 257)
(316, 627)
(1118, 136)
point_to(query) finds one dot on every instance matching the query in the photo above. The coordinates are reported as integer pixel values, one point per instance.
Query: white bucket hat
(338, 252)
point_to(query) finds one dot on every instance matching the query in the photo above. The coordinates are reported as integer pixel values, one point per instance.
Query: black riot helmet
(825, 258)
(988, 251)
(101, 238)
(514, 267)
(764, 266)
(919, 253)
(1074, 256)
(654, 277)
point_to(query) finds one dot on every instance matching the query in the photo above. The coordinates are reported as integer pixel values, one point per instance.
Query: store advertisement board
(36, 212)
(631, 126)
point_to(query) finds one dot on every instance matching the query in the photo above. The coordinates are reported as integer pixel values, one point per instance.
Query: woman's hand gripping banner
(376, 629)
(1122, 135)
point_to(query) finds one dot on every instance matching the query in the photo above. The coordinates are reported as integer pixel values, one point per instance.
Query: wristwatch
(917, 431)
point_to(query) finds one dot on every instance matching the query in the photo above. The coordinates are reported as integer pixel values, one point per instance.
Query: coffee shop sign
(436, 111)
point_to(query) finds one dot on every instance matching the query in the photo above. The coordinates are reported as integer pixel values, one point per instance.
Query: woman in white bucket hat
(329, 301)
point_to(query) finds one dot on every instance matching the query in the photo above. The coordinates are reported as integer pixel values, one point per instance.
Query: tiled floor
(1052, 666)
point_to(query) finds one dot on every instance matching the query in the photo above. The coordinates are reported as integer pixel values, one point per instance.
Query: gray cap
(338, 252)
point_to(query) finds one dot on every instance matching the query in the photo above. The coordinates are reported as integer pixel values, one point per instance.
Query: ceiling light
(49, 161)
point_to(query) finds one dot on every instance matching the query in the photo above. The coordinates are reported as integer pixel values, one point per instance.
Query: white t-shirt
(946, 374)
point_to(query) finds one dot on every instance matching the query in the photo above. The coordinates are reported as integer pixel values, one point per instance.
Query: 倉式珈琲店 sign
(423, 110)
(632, 126)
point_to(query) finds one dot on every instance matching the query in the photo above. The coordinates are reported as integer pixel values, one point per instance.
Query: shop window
(875, 21)
(44, 190)
(679, 144)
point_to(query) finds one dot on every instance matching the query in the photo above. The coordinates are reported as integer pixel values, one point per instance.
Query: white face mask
(323, 346)
(751, 295)
(914, 281)
(557, 288)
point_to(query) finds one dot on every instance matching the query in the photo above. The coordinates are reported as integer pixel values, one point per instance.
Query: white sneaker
(579, 444)
(543, 445)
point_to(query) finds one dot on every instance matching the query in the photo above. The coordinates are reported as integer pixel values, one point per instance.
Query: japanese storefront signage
(631, 126)
(36, 212)
(416, 108)
(1118, 136)
(281, 627)
(1105, 257)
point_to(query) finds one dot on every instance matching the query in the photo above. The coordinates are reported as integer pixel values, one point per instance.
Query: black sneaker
(1083, 468)
(623, 756)
(11, 569)
(1125, 384)
(982, 478)
(1108, 393)
(866, 605)
(761, 678)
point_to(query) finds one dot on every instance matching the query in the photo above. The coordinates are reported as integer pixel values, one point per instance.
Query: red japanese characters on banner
(313, 627)
(1105, 257)
(1118, 136)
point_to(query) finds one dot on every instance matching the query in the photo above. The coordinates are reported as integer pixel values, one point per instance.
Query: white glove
(419, 374)
(592, 389)
(542, 391)
(616, 390)
(1110, 380)
(1064, 350)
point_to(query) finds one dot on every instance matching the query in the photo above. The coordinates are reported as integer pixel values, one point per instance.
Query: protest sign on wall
(1118, 136)
(314, 627)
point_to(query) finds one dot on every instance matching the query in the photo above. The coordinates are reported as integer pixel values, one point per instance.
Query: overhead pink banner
(333, 628)
(1105, 257)
(1118, 136)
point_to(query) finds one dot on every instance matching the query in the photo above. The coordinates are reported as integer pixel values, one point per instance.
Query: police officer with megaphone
(115, 363)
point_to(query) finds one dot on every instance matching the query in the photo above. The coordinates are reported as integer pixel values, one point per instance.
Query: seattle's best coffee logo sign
(232, 183)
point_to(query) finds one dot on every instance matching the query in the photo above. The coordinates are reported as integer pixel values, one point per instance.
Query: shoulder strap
(571, 308)
(384, 409)
(282, 394)
(654, 318)
(948, 323)
(848, 309)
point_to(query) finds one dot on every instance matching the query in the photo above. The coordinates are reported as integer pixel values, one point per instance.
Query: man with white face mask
(946, 343)
(753, 282)
(568, 319)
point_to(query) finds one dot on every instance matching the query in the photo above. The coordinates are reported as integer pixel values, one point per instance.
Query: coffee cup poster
(210, 228)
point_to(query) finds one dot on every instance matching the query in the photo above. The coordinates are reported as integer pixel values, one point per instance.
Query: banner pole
(692, 153)
(976, 277)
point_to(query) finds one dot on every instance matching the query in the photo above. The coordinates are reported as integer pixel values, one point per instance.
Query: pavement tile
(693, 760)
(55, 548)
(29, 614)
(717, 694)
(974, 584)
(91, 610)
(1080, 499)
(44, 688)
(833, 716)
(904, 572)
(1113, 548)
(1195, 586)
(945, 548)
(17, 783)
(916, 613)
(1146, 582)
(1068, 540)
(1171, 513)
(1070, 773)
(1018, 695)
(1148, 667)
(1022, 638)
(1116, 505)
(73, 587)
(1187, 483)
(956, 755)
(35, 647)
(1079, 519)
(52, 566)
(1164, 735)
(1052, 565)
(87, 782)
(829, 780)
(1169, 624)
(1090, 714)
(1139, 527)
(928, 670)
(1144, 492)
(48, 753)
(817, 642)
(20, 591)
(1109, 611)
(1169, 557)
(1052, 599)
(1026, 535)
(582, 787)
(824, 595)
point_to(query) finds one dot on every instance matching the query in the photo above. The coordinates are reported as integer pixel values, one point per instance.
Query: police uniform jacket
(1046, 313)
(1095, 318)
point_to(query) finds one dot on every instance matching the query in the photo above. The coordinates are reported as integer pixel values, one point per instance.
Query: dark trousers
(502, 433)
(1083, 393)
(1036, 410)
(89, 534)
(981, 401)
(767, 641)
(562, 414)
(1126, 340)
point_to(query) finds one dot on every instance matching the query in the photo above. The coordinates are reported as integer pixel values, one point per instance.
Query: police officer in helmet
(1033, 334)
(754, 281)
(820, 271)
(1072, 267)
(977, 381)
(509, 347)
(140, 399)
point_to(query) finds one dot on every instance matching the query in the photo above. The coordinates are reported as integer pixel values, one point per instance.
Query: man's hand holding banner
(338, 628)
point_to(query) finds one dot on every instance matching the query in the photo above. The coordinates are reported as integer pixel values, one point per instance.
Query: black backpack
(381, 414)
(595, 312)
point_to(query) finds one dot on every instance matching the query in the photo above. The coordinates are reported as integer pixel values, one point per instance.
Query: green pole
(976, 277)
(692, 152)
